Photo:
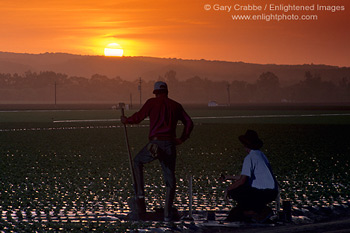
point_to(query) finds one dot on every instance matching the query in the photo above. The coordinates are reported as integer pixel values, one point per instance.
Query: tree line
(45, 87)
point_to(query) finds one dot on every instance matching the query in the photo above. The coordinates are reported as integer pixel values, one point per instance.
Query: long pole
(129, 155)
(190, 196)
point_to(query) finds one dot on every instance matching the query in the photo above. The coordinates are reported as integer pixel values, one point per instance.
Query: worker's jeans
(167, 160)
(249, 198)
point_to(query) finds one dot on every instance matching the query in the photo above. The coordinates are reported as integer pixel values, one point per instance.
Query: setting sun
(113, 50)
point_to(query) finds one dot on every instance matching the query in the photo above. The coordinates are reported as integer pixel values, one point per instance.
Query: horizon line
(174, 58)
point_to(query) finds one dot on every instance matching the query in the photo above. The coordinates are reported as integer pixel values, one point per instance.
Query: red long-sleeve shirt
(164, 113)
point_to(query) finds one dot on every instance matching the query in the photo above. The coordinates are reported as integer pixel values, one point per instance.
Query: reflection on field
(79, 175)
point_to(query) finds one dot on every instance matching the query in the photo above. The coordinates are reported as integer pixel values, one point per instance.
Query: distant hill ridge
(149, 68)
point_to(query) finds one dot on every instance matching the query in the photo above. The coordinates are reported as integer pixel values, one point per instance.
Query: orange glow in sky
(195, 29)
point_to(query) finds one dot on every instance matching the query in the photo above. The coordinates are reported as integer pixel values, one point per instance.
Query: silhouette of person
(164, 114)
(255, 187)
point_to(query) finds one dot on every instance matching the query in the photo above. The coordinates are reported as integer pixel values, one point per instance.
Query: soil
(341, 225)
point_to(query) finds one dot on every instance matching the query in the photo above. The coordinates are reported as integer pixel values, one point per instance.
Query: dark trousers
(249, 198)
(167, 159)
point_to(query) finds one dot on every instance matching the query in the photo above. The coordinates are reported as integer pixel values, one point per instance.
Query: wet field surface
(75, 176)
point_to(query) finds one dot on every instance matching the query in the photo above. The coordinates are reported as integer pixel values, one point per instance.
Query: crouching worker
(255, 187)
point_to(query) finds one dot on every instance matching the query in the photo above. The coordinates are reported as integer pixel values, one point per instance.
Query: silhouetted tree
(344, 89)
(170, 77)
(313, 89)
(268, 88)
(239, 92)
(35, 87)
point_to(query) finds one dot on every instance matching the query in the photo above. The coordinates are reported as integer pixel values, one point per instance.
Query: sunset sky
(177, 29)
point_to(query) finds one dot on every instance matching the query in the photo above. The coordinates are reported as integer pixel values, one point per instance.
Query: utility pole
(55, 93)
(139, 87)
(130, 100)
(228, 95)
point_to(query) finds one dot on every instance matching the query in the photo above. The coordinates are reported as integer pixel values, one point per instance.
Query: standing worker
(164, 113)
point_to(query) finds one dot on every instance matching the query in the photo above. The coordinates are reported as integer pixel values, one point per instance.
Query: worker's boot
(138, 208)
(169, 211)
(140, 205)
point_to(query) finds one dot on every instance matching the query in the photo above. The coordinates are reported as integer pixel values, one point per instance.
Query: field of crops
(59, 174)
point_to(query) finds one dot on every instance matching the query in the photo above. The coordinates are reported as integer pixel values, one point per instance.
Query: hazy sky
(179, 28)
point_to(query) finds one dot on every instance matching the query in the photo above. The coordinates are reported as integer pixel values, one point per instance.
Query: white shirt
(257, 167)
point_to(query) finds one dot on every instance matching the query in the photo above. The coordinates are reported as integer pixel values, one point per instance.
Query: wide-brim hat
(159, 87)
(251, 140)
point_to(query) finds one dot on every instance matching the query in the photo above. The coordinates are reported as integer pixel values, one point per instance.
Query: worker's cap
(160, 87)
